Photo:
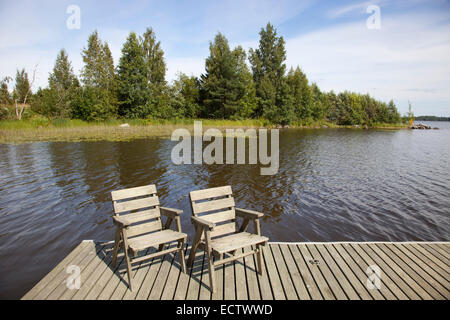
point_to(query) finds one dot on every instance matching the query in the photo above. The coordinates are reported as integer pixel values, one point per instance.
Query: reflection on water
(332, 185)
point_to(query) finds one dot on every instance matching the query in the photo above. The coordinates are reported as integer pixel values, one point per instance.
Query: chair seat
(236, 241)
(154, 239)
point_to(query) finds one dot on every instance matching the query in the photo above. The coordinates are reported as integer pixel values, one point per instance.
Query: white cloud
(410, 52)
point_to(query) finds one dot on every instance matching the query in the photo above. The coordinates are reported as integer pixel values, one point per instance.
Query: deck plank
(327, 273)
(59, 281)
(413, 270)
(399, 267)
(274, 278)
(342, 277)
(263, 280)
(409, 270)
(358, 268)
(241, 282)
(296, 277)
(386, 281)
(55, 271)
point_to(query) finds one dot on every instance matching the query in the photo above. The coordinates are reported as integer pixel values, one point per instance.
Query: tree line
(235, 85)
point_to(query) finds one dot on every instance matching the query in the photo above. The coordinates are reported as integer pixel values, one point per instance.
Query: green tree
(301, 92)
(269, 68)
(247, 101)
(185, 96)
(22, 85)
(56, 101)
(132, 79)
(220, 83)
(99, 73)
(5, 96)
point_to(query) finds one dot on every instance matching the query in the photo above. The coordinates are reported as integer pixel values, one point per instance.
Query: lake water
(332, 185)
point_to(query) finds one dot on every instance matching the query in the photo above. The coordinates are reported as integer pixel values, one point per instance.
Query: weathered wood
(236, 241)
(219, 216)
(153, 239)
(55, 271)
(137, 204)
(144, 228)
(210, 193)
(142, 236)
(285, 277)
(338, 274)
(408, 271)
(133, 192)
(325, 290)
(220, 204)
(296, 276)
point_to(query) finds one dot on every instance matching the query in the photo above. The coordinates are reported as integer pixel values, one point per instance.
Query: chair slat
(136, 204)
(144, 228)
(142, 215)
(212, 205)
(133, 192)
(223, 229)
(210, 193)
(219, 216)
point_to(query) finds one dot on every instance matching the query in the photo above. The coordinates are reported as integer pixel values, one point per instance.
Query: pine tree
(98, 74)
(269, 69)
(155, 70)
(132, 79)
(5, 96)
(220, 83)
(22, 85)
(301, 92)
(62, 83)
(154, 59)
(247, 101)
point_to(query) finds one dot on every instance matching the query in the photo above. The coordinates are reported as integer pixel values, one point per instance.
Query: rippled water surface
(332, 185)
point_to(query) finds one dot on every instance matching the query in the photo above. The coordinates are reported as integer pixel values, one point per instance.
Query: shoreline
(28, 131)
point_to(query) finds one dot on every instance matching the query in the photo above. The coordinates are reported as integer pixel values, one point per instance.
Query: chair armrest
(170, 212)
(248, 214)
(203, 223)
(121, 222)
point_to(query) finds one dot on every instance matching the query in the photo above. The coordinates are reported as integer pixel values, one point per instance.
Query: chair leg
(259, 259)
(198, 234)
(182, 262)
(116, 248)
(127, 258)
(212, 278)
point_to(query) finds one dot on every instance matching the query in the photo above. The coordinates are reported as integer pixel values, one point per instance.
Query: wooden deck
(333, 270)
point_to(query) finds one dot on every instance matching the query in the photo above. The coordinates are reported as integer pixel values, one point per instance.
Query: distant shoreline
(26, 131)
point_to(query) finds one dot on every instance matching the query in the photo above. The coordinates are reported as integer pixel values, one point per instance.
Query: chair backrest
(140, 206)
(215, 205)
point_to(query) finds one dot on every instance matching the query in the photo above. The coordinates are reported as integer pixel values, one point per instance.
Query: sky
(391, 49)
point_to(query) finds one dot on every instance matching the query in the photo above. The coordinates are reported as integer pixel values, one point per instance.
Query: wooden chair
(137, 215)
(215, 224)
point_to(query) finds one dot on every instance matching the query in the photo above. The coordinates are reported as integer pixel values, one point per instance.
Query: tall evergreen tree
(269, 68)
(220, 84)
(5, 96)
(62, 83)
(98, 75)
(302, 95)
(154, 59)
(247, 101)
(132, 79)
(22, 85)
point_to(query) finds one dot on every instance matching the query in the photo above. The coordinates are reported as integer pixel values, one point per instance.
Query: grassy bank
(43, 129)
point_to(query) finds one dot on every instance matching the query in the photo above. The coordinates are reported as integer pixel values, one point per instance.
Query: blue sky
(408, 58)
